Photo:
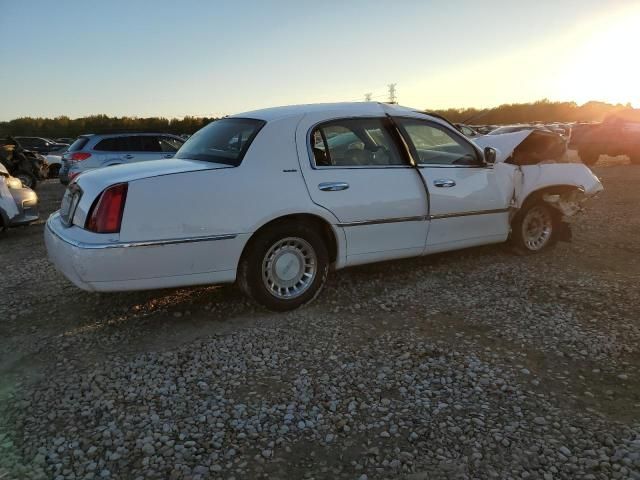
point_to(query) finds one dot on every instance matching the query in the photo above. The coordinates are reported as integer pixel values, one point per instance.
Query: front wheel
(535, 228)
(284, 267)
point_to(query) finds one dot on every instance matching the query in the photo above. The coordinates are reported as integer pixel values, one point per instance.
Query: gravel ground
(472, 364)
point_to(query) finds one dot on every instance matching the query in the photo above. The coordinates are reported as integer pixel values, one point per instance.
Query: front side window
(222, 141)
(352, 142)
(434, 145)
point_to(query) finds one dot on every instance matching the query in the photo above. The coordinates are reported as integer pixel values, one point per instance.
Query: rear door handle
(128, 156)
(444, 182)
(333, 186)
(169, 155)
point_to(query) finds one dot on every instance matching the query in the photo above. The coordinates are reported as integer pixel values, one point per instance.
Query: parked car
(28, 166)
(55, 164)
(89, 152)
(43, 146)
(264, 198)
(466, 130)
(619, 134)
(18, 204)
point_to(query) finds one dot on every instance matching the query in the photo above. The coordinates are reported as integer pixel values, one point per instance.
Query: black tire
(27, 179)
(54, 171)
(253, 280)
(589, 157)
(523, 228)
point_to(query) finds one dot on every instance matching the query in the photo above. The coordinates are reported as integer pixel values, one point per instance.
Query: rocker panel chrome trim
(422, 218)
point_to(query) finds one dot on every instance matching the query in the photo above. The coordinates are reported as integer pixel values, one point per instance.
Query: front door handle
(333, 186)
(444, 182)
(168, 155)
(128, 156)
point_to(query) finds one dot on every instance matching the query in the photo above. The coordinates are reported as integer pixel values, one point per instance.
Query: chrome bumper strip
(422, 218)
(143, 243)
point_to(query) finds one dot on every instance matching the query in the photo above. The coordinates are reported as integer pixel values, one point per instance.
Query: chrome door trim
(421, 218)
(143, 243)
(467, 214)
(418, 218)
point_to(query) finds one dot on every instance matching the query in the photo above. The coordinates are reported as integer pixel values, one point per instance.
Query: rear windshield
(78, 144)
(223, 141)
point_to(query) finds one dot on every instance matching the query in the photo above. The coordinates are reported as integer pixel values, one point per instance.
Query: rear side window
(362, 142)
(134, 143)
(78, 144)
(223, 141)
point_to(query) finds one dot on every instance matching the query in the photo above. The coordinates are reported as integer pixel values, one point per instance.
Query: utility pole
(367, 97)
(392, 93)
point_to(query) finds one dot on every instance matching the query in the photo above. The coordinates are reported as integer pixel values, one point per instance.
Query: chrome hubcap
(537, 228)
(289, 267)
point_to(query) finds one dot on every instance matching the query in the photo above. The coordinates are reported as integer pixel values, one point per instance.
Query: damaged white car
(275, 198)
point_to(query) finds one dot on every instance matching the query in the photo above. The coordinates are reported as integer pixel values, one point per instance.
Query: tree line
(67, 127)
(542, 111)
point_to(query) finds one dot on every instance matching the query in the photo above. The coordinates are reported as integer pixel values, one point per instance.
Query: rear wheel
(535, 228)
(284, 267)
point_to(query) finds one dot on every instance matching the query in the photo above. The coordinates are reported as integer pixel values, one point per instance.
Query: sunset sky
(168, 58)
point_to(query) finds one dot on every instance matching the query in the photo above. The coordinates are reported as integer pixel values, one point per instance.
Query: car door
(355, 168)
(468, 199)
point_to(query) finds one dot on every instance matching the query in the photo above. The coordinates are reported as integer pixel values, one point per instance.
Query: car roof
(127, 134)
(343, 108)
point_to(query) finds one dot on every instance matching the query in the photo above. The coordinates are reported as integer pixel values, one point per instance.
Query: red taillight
(79, 156)
(105, 215)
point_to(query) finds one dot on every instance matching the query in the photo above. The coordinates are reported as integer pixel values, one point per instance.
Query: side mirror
(490, 155)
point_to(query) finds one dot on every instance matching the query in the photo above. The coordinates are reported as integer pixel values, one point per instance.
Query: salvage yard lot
(471, 364)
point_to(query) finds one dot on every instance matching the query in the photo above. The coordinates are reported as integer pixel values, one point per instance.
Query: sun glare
(603, 65)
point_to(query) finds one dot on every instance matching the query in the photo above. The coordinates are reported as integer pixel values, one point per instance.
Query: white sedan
(275, 198)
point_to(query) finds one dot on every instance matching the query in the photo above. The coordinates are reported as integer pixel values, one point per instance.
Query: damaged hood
(504, 144)
(525, 147)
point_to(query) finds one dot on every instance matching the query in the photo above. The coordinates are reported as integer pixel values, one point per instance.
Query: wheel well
(553, 190)
(319, 224)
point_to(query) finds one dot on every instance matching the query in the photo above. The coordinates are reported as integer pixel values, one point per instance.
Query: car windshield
(223, 141)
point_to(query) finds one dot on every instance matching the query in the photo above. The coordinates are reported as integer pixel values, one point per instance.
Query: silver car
(18, 204)
(102, 150)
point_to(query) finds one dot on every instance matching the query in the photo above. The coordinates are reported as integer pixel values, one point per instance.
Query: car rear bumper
(97, 262)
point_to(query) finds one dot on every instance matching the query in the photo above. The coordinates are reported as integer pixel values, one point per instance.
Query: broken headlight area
(568, 203)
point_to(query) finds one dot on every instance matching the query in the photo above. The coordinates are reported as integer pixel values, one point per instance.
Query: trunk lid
(93, 182)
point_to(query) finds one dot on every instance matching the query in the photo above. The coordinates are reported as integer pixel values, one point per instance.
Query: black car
(41, 145)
